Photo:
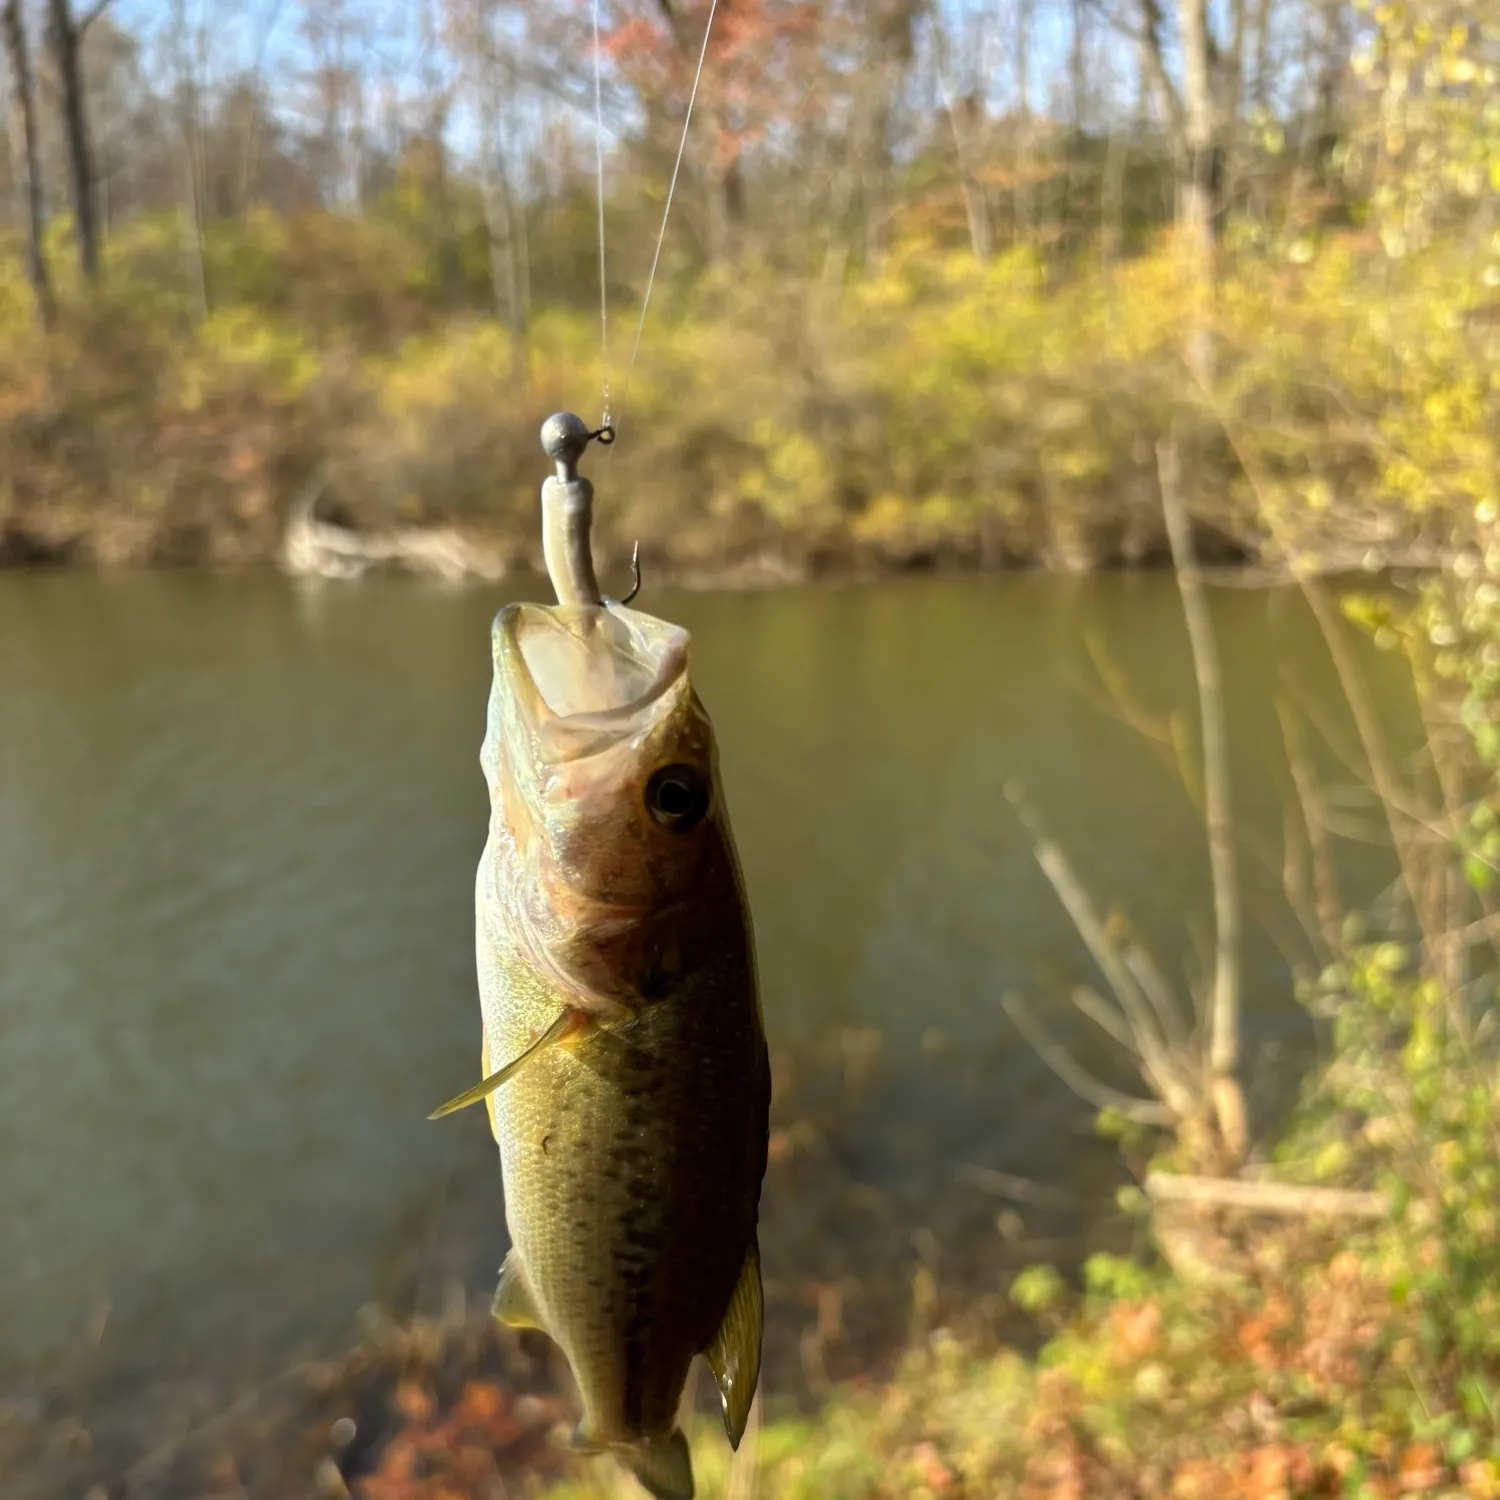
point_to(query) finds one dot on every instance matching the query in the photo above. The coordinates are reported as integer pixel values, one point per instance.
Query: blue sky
(406, 63)
(274, 29)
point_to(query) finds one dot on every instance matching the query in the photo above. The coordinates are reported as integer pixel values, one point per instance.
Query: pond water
(238, 826)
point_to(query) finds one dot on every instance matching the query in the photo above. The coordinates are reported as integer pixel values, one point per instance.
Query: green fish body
(616, 963)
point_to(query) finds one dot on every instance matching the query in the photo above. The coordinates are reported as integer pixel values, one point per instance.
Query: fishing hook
(635, 574)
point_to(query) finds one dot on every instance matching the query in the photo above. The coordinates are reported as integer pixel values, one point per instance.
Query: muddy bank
(331, 542)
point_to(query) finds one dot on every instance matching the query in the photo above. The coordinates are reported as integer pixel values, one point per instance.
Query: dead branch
(1119, 702)
(1224, 1010)
(1078, 1078)
(1018, 1189)
(1172, 744)
(1329, 904)
(1367, 723)
(1105, 1016)
(1156, 989)
(1267, 1197)
(1160, 1070)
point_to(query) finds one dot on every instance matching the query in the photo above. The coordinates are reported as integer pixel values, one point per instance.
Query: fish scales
(615, 1158)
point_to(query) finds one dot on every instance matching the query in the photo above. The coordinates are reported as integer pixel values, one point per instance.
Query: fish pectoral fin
(484, 1072)
(567, 1022)
(662, 1462)
(734, 1355)
(513, 1303)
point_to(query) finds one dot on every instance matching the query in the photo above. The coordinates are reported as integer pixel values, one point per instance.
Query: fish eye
(677, 797)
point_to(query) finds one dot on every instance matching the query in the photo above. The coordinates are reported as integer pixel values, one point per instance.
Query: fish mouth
(585, 676)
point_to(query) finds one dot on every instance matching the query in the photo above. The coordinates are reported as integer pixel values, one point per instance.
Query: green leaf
(1037, 1289)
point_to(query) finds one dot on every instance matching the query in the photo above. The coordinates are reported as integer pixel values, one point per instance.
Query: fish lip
(578, 734)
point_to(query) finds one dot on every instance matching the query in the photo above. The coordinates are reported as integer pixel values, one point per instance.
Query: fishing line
(599, 175)
(661, 236)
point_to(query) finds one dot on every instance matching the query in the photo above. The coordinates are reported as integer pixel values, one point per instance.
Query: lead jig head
(565, 436)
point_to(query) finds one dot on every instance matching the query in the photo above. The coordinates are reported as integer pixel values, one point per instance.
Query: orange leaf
(936, 1475)
(1421, 1468)
(1136, 1327)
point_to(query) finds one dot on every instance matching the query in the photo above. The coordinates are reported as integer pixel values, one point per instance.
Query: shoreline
(468, 558)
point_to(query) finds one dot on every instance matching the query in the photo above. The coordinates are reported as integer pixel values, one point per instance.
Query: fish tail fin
(662, 1462)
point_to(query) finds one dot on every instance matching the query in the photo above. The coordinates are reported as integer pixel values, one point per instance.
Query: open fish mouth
(586, 676)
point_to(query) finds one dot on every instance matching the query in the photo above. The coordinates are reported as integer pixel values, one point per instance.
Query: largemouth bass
(618, 992)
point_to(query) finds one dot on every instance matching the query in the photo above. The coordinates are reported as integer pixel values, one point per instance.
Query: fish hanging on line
(617, 981)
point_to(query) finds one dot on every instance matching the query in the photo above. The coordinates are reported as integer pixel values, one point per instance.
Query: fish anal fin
(734, 1354)
(564, 1026)
(513, 1303)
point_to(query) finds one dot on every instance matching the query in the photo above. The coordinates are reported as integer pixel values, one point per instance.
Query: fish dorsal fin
(513, 1304)
(734, 1355)
(567, 1022)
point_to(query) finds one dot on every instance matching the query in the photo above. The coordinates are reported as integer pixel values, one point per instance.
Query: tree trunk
(504, 222)
(1232, 89)
(1025, 195)
(1262, 93)
(1194, 131)
(1077, 82)
(1332, 62)
(726, 187)
(65, 41)
(188, 142)
(1076, 165)
(23, 137)
(840, 242)
(1198, 124)
(1112, 199)
(505, 255)
(960, 118)
(977, 212)
(1199, 201)
(889, 48)
(724, 184)
(1223, 1003)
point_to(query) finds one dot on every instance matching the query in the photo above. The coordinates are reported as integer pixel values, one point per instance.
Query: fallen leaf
(1421, 1468)
(934, 1473)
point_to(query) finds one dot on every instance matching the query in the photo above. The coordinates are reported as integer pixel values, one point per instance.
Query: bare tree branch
(1079, 1079)
(1329, 905)
(1150, 44)
(1224, 1010)
(1159, 993)
(1167, 1079)
(1008, 1185)
(1267, 1197)
(1106, 1017)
